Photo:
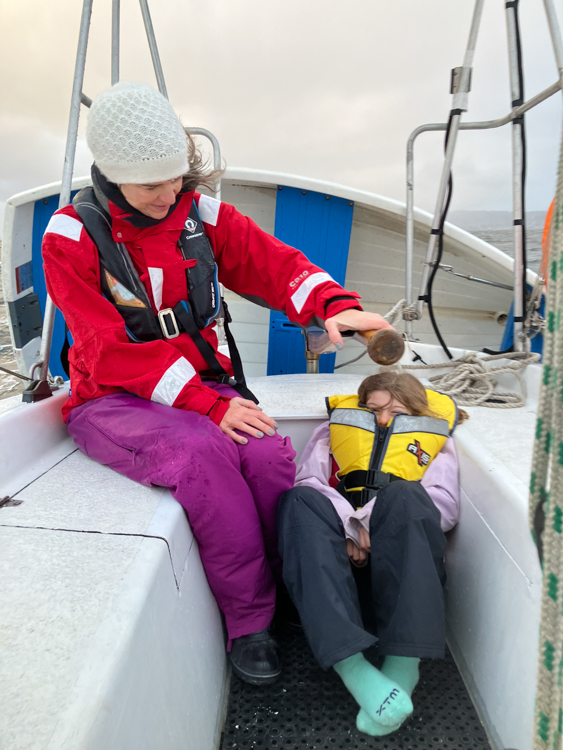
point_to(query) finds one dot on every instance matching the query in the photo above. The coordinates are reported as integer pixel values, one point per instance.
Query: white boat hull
(113, 639)
(471, 315)
(111, 634)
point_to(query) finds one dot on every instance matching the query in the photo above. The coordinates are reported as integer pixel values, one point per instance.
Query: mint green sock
(382, 699)
(366, 724)
(403, 670)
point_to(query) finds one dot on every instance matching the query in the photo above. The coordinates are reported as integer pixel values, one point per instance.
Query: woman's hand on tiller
(353, 320)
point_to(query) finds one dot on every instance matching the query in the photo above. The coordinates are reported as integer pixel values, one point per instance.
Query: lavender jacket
(440, 481)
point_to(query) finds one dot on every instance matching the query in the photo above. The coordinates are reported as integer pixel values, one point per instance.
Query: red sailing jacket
(103, 360)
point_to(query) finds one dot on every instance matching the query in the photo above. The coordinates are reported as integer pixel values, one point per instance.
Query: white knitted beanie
(135, 136)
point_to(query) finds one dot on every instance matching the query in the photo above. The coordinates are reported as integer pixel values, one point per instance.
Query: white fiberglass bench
(109, 632)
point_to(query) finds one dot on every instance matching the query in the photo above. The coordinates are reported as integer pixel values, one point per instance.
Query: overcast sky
(325, 89)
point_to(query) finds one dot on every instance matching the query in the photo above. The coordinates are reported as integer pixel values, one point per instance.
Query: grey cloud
(325, 89)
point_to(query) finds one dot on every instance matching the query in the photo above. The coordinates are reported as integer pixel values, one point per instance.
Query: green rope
(546, 500)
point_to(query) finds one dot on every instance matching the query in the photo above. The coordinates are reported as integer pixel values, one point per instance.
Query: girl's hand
(359, 555)
(353, 320)
(245, 416)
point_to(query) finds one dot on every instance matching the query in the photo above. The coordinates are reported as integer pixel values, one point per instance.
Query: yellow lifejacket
(369, 457)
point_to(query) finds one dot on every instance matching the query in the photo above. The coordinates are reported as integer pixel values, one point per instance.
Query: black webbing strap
(240, 381)
(370, 481)
(183, 314)
(372, 478)
(359, 498)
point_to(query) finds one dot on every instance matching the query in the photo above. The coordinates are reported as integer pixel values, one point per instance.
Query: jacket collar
(109, 193)
(128, 221)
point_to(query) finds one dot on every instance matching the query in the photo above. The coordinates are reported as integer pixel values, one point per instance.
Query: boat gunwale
(264, 178)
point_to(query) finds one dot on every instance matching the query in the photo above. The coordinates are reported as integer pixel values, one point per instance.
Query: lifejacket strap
(357, 498)
(168, 323)
(240, 381)
(201, 281)
(182, 311)
(371, 481)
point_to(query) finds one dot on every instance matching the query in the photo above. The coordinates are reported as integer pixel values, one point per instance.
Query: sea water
(499, 237)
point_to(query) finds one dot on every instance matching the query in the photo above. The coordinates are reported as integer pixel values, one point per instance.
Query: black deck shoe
(256, 658)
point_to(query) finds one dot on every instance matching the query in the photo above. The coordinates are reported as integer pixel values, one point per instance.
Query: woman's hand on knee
(245, 416)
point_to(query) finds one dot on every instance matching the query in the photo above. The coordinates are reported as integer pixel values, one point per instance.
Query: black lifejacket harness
(204, 303)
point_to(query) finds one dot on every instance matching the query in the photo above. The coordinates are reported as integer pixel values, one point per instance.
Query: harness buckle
(168, 323)
(377, 479)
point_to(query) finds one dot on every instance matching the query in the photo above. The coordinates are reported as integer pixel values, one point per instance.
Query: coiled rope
(471, 383)
(546, 500)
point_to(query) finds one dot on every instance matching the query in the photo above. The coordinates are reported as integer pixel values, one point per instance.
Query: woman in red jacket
(134, 267)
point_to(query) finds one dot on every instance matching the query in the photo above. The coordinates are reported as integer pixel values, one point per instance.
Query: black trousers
(400, 592)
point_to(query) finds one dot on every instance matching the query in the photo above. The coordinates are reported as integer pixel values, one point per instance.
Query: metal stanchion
(36, 391)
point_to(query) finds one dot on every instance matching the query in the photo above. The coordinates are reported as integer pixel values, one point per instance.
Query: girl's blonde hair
(405, 388)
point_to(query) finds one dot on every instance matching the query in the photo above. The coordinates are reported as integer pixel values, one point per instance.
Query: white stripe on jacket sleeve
(171, 383)
(208, 209)
(302, 294)
(64, 225)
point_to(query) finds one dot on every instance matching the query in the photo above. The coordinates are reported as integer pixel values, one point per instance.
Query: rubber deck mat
(311, 708)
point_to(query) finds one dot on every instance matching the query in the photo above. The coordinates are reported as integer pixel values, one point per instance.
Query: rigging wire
(519, 123)
(428, 296)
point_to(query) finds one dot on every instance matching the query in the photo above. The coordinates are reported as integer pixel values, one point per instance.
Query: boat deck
(311, 708)
(111, 637)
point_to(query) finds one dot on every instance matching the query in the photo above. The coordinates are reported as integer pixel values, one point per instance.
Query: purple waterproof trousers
(230, 491)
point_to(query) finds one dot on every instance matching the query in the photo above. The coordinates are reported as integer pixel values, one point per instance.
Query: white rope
(546, 500)
(471, 383)
(396, 312)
